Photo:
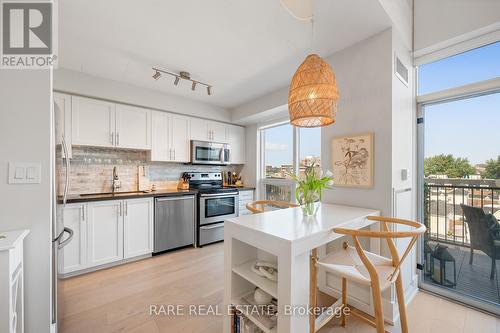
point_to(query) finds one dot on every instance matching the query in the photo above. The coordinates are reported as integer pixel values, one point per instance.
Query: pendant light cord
(312, 34)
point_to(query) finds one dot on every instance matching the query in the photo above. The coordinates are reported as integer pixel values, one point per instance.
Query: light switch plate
(25, 173)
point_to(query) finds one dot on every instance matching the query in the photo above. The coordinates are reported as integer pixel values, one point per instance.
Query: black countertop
(134, 195)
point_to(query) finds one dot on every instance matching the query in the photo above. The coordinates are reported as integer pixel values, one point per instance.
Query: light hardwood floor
(118, 300)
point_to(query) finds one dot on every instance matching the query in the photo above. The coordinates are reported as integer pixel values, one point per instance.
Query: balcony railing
(444, 217)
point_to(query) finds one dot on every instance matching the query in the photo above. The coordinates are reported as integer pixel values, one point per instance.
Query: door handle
(67, 240)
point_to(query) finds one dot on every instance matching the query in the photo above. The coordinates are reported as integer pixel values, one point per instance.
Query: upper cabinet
(105, 124)
(236, 138)
(217, 131)
(199, 130)
(205, 130)
(133, 127)
(62, 116)
(93, 122)
(171, 137)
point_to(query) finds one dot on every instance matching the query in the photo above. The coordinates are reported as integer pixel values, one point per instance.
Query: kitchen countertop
(126, 195)
(134, 195)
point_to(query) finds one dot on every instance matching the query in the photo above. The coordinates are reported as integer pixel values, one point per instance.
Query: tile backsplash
(91, 170)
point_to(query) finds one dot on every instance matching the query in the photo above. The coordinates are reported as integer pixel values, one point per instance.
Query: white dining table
(284, 237)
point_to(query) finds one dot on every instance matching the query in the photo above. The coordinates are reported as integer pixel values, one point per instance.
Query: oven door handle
(219, 195)
(214, 226)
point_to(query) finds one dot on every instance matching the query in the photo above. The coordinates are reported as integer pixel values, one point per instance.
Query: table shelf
(245, 271)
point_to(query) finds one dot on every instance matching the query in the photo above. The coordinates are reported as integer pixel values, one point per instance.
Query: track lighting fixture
(156, 75)
(184, 76)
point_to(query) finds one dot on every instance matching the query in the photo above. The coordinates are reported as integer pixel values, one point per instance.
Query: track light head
(193, 86)
(209, 90)
(156, 75)
(177, 79)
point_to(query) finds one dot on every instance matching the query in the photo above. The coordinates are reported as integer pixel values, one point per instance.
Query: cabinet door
(199, 129)
(93, 122)
(74, 254)
(245, 197)
(105, 232)
(179, 139)
(138, 227)
(160, 149)
(133, 127)
(62, 115)
(236, 138)
(218, 131)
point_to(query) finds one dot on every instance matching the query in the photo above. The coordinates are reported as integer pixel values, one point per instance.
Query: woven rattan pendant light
(313, 95)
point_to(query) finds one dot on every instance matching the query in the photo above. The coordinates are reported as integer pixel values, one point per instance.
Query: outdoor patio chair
(484, 232)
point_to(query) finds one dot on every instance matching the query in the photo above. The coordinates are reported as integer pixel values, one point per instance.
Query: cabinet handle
(83, 213)
(117, 138)
(174, 154)
(126, 208)
(120, 209)
(112, 138)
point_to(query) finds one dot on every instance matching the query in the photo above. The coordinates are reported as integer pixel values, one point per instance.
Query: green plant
(310, 187)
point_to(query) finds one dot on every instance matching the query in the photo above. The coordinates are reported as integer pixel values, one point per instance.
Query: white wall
(439, 21)
(25, 127)
(363, 74)
(84, 84)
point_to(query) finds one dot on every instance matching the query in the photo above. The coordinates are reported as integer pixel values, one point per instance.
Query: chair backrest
(259, 206)
(417, 230)
(479, 230)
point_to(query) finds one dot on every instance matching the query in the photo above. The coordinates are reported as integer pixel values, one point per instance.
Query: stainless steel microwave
(204, 152)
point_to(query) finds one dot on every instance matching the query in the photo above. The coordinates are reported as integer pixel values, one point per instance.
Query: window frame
(263, 181)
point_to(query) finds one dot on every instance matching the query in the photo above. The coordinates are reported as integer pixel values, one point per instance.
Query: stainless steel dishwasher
(174, 222)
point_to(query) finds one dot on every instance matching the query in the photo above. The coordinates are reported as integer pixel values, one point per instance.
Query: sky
(468, 128)
(279, 144)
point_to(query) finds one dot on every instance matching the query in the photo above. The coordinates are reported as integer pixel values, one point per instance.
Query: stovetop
(207, 182)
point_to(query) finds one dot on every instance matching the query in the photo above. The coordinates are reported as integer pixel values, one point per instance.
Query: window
(287, 150)
(469, 67)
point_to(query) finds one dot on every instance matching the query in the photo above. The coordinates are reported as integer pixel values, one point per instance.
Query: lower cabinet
(137, 227)
(107, 232)
(245, 196)
(74, 255)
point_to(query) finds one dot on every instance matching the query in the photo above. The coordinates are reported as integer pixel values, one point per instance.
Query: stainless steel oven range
(215, 204)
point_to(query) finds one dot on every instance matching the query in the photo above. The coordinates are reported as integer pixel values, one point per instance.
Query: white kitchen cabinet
(180, 138)
(245, 196)
(199, 129)
(133, 127)
(160, 150)
(217, 131)
(105, 232)
(137, 227)
(93, 122)
(63, 121)
(206, 130)
(171, 137)
(236, 138)
(74, 254)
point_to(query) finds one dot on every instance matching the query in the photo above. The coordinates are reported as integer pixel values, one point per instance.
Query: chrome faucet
(116, 180)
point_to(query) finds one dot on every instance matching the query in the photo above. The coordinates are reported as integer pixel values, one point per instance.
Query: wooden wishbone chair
(258, 206)
(367, 268)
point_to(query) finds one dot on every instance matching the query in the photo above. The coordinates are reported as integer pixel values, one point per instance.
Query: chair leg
(344, 299)
(493, 268)
(471, 255)
(377, 305)
(401, 304)
(313, 296)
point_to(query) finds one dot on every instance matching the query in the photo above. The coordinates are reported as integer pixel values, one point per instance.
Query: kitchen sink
(111, 193)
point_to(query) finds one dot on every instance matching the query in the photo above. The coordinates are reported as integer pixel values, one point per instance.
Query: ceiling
(244, 48)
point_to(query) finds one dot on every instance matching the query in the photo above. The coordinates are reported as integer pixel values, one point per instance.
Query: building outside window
(287, 150)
